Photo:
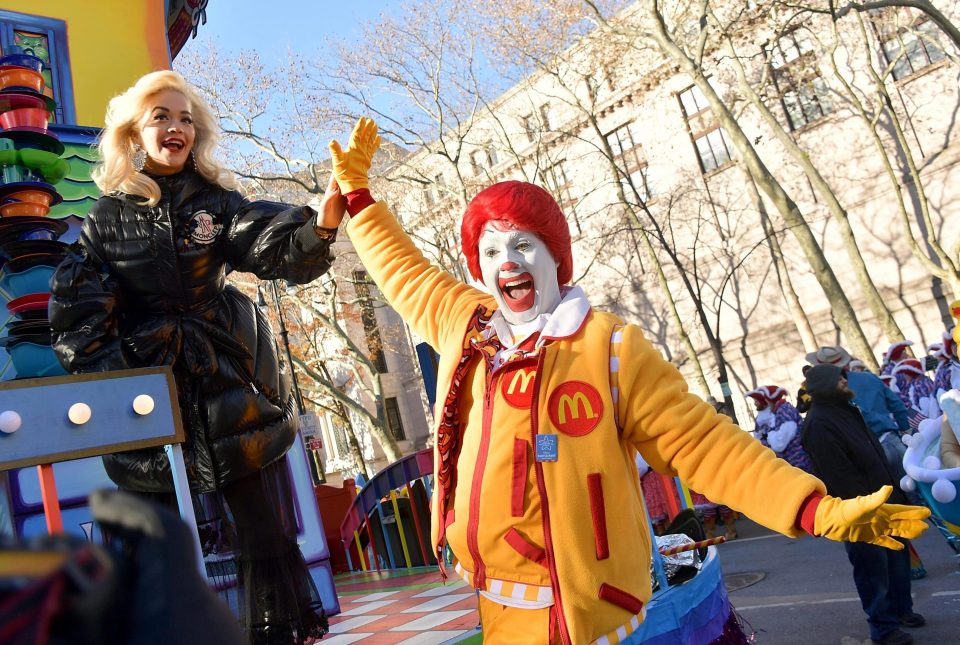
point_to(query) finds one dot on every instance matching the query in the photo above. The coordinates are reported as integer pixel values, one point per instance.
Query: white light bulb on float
(10, 421)
(143, 404)
(79, 413)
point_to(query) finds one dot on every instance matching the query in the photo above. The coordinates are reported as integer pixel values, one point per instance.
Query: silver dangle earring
(139, 158)
(193, 159)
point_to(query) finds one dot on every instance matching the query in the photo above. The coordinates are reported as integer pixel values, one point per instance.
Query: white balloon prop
(924, 468)
(907, 484)
(944, 491)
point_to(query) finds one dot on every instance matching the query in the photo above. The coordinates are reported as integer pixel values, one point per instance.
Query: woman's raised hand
(333, 206)
(351, 167)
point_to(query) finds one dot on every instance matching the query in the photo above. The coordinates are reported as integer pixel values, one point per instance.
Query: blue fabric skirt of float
(697, 612)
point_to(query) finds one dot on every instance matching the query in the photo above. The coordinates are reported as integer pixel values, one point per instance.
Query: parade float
(938, 483)
(57, 74)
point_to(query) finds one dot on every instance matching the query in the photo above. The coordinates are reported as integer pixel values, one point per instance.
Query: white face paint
(518, 269)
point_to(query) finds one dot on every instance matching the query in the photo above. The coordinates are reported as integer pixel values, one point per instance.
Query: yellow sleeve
(431, 301)
(678, 433)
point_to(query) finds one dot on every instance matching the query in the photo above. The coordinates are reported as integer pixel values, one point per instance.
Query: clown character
(856, 365)
(947, 376)
(918, 393)
(145, 285)
(891, 358)
(543, 402)
(778, 425)
(935, 352)
(950, 429)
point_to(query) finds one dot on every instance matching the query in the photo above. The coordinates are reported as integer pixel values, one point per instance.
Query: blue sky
(272, 28)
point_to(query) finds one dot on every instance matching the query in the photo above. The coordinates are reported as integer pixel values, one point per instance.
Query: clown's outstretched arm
(430, 300)
(678, 433)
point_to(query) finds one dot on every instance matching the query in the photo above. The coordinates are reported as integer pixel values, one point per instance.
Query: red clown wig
(525, 207)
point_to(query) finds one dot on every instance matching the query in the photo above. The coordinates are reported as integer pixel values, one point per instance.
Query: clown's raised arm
(536, 420)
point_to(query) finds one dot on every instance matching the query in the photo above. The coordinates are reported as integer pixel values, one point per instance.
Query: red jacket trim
(807, 514)
(621, 598)
(358, 199)
(519, 477)
(599, 515)
(525, 548)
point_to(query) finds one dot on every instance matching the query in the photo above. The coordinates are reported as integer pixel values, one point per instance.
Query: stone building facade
(612, 127)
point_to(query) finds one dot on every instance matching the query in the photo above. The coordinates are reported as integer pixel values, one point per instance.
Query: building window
(545, 117)
(46, 39)
(803, 93)
(555, 177)
(438, 187)
(475, 164)
(610, 78)
(339, 428)
(708, 137)
(368, 317)
(630, 162)
(492, 159)
(394, 422)
(528, 125)
(911, 50)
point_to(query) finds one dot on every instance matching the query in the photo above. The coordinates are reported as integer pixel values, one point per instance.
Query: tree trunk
(799, 316)
(843, 311)
(380, 431)
(943, 265)
(872, 295)
(652, 255)
(355, 449)
(924, 6)
(672, 306)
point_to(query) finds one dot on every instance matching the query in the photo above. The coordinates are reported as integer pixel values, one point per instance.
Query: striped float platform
(409, 606)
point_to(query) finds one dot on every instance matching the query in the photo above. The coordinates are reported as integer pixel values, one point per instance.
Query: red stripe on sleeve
(808, 513)
(359, 199)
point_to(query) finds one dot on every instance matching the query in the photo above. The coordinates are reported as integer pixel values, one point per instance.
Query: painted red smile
(518, 292)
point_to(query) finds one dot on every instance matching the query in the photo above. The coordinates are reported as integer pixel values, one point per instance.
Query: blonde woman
(145, 285)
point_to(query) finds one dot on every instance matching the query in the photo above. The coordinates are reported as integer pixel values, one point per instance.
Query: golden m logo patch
(516, 386)
(575, 408)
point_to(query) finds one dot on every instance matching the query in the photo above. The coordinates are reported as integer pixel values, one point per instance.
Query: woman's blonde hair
(125, 115)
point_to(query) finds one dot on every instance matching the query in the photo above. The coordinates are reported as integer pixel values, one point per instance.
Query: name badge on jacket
(546, 447)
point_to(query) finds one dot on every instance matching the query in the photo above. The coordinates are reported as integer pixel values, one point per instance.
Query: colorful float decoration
(30, 164)
(939, 486)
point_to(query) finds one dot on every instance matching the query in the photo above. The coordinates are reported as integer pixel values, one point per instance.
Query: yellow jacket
(597, 543)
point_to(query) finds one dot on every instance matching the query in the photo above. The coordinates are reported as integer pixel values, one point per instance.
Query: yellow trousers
(504, 625)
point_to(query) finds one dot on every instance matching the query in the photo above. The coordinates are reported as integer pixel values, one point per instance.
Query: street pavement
(806, 594)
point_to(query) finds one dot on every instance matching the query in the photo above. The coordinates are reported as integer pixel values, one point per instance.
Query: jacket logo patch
(575, 408)
(202, 228)
(516, 386)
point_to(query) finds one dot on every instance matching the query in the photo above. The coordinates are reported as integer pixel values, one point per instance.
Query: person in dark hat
(848, 458)
(882, 409)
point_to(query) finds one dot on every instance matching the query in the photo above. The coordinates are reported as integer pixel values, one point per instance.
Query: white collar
(563, 322)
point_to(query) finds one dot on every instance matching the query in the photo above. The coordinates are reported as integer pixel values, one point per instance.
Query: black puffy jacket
(146, 286)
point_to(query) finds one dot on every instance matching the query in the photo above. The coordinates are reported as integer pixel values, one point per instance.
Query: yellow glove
(351, 167)
(868, 519)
